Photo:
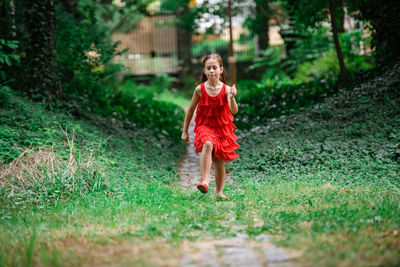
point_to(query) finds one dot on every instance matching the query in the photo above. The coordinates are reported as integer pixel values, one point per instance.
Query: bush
(326, 66)
(265, 101)
(206, 47)
(157, 85)
(382, 17)
(6, 58)
(136, 103)
(84, 56)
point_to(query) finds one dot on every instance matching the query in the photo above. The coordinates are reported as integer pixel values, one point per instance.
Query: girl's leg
(219, 175)
(205, 162)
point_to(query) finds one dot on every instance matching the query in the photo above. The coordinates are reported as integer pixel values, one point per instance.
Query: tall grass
(40, 174)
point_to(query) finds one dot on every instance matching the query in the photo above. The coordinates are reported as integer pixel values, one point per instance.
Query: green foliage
(385, 34)
(164, 118)
(37, 75)
(308, 46)
(174, 96)
(67, 48)
(313, 58)
(185, 18)
(354, 44)
(120, 18)
(325, 67)
(157, 85)
(308, 181)
(59, 157)
(84, 54)
(85, 57)
(313, 44)
(313, 80)
(351, 134)
(266, 100)
(377, 14)
(137, 103)
(329, 172)
(271, 60)
(6, 58)
(311, 13)
(5, 94)
(206, 47)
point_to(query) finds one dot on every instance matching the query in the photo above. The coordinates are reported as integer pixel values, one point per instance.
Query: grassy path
(240, 250)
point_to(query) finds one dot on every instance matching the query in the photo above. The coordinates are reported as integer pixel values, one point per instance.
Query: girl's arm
(189, 113)
(231, 99)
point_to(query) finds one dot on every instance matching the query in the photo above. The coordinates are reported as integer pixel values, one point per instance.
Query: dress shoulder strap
(202, 88)
(223, 89)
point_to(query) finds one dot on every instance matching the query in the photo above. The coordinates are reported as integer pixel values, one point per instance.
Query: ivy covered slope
(326, 180)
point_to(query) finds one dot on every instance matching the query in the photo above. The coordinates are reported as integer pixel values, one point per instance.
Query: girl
(214, 128)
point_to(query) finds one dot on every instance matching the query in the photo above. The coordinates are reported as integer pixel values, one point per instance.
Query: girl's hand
(233, 91)
(185, 137)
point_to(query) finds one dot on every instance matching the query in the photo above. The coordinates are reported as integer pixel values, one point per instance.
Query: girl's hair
(219, 59)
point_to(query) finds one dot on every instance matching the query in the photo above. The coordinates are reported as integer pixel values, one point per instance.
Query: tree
(384, 20)
(40, 66)
(290, 34)
(184, 31)
(336, 40)
(185, 25)
(309, 13)
(258, 22)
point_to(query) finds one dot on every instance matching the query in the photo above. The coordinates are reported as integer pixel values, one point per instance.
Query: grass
(173, 97)
(63, 179)
(324, 182)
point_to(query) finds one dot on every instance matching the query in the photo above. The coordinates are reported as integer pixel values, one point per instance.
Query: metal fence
(153, 45)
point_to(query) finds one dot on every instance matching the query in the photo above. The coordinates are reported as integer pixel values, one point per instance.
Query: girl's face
(212, 69)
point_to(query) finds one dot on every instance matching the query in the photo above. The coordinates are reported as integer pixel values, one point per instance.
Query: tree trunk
(340, 16)
(184, 47)
(71, 6)
(262, 26)
(289, 34)
(42, 81)
(231, 58)
(336, 40)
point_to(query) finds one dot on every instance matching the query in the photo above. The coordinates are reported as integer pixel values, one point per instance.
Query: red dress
(214, 123)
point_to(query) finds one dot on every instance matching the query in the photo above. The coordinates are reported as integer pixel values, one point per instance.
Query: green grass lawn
(324, 182)
(173, 97)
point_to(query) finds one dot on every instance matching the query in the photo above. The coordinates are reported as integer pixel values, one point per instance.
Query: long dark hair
(219, 59)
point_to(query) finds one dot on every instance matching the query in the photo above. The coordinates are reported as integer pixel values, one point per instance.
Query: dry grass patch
(29, 166)
(42, 172)
(85, 252)
(367, 247)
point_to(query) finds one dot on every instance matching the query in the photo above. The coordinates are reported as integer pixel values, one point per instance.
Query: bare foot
(222, 195)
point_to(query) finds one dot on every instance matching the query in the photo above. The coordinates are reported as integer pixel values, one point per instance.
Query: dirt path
(237, 251)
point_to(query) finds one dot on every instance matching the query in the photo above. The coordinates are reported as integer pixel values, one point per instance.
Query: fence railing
(153, 45)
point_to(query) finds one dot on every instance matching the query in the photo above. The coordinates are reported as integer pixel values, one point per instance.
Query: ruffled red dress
(214, 123)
